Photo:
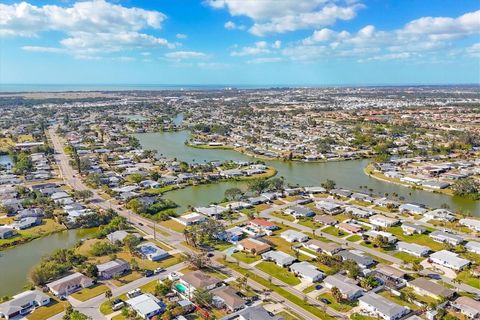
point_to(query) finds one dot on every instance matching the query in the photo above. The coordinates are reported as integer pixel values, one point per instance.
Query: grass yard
(55, 307)
(310, 288)
(398, 300)
(173, 225)
(467, 277)
(89, 293)
(358, 316)
(245, 257)
(343, 306)
(407, 258)
(261, 207)
(288, 315)
(421, 239)
(278, 272)
(334, 231)
(284, 293)
(47, 227)
(132, 276)
(281, 244)
(354, 238)
(283, 216)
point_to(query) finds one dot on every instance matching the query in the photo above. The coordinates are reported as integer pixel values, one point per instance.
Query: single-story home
(23, 303)
(382, 221)
(473, 246)
(446, 237)
(429, 288)
(151, 252)
(329, 248)
(294, 236)
(348, 287)
(69, 284)
(226, 297)
(112, 268)
(467, 306)
(413, 249)
(362, 261)
(377, 305)
(280, 258)
(146, 305)
(306, 271)
(194, 280)
(411, 228)
(449, 259)
(253, 246)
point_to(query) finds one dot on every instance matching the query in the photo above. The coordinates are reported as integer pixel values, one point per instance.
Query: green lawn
(132, 276)
(357, 316)
(89, 293)
(310, 288)
(288, 315)
(354, 238)
(398, 300)
(421, 239)
(246, 257)
(334, 231)
(282, 216)
(342, 306)
(467, 277)
(55, 307)
(407, 258)
(284, 293)
(280, 273)
(173, 225)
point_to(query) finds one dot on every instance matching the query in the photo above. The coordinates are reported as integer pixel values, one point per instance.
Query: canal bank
(16, 262)
(348, 174)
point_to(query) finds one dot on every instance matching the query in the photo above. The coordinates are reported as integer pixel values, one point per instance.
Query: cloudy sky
(258, 42)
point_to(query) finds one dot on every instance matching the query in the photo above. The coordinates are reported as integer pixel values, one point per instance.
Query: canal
(348, 174)
(16, 262)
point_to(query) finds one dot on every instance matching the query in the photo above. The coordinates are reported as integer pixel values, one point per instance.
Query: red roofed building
(263, 224)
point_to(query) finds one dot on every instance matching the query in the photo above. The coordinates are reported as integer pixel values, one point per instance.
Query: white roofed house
(473, 224)
(440, 214)
(377, 305)
(306, 271)
(151, 252)
(447, 237)
(449, 259)
(69, 284)
(294, 236)
(473, 246)
(146, 305)
(387, 235)
(348, 287)
(413, 249)
(412, 208)
(280, 258)
(23, 303)
(329, 207)
(300, 212)
(467, 306)
(411, 228)
(382, 221)
(329, 248)
(112, 268)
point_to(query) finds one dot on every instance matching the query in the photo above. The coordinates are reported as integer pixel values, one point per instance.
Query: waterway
(6, 161)
(347, 174)
(16, 262)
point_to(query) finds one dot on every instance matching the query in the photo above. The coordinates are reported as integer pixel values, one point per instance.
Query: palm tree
(108, 294)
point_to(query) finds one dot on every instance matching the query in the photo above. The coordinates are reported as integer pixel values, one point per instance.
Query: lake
(16, 262)
(347, 174)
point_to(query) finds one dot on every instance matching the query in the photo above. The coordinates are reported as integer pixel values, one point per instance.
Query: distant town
(241, 204)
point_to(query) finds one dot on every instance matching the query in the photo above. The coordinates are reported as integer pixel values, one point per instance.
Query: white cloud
(474, 50)
(426, 34)
(277, 44)
(273, 16)
(183, 55)
(92, 27)
(265, 60)
(230, 25)
(261, 47)
(181, 36)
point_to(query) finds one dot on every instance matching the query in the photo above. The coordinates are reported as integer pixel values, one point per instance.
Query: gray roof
(442, 235)
(383, 305)
(359, 259)
(255, 313)
(279, 257)
(21, 299)
(345, 285)
(413, 247)
(306, 269)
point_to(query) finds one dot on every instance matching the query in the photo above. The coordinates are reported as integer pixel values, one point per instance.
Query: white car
(134, 293)
(173, 276)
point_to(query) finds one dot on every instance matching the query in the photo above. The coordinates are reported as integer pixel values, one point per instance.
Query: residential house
(467, 306)
(440, 214)
(446, 237)
(362, 261)
(382, 221)
(350, 227)
(358, 212)
(329, 207)
(190, 219)
(253, 246)
(26, 223)
(194, 280)
(226, 297)
(348, 287)
(294, 236)
(377, 305)
(306, 271)
(300, 212)
(151, 252)
(120, 235)
(146, 305)
(473, 246)
(6, 232)
(232, 235)
(387, 235)
(391, 277)
(23, 303)
(473, 224)
(112, 268)
(412, 208)
(449, 259)
(252, 313)
(263, 224)
(69, 284)
(280, 258)
(325, 220)
(329, 248)
(411, 228)
(413, 249)
(425, 287)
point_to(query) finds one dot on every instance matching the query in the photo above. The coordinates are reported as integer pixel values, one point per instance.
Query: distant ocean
(118, 87)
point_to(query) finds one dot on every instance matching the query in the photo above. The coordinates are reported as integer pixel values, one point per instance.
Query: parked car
(148, 273)
(117, 304)
(134, 293)
(173, 276)
(325, 301)
(159, 270)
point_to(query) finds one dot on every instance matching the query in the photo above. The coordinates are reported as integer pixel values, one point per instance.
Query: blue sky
(257, 42)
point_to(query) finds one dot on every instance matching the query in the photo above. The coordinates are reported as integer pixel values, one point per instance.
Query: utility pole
(154, 230)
